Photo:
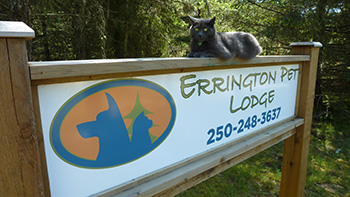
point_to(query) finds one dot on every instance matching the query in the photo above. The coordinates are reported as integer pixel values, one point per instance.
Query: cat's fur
(206, 42)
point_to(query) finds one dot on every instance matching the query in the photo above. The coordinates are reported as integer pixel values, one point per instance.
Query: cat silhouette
(140, 135)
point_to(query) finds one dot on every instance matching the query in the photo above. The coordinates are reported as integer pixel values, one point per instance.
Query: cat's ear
(212, 21)
(193, 20)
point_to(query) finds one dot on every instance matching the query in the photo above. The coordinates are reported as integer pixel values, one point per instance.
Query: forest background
(90, 29)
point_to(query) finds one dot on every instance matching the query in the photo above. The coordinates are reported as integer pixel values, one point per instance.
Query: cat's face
(202, 29)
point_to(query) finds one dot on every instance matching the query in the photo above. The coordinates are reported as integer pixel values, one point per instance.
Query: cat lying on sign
(206, 42)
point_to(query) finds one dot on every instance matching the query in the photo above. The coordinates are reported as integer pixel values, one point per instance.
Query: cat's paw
(191, 54)
(202, 54)
(196, 54)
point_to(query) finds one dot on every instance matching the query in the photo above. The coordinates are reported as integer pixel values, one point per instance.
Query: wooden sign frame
(24, 171)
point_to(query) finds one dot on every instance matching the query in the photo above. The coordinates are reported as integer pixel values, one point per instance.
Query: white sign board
(101, 134)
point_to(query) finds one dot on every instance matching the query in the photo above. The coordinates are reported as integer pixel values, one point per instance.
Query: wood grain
(296, 148)
(40, 137)
(20, 165)
(81, 68)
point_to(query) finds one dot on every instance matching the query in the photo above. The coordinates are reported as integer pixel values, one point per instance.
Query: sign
(101, 134)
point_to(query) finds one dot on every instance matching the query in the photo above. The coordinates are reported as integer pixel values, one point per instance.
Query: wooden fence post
(20, 171)
(296, 148)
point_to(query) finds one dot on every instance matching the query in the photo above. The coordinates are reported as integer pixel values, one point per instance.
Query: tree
(81, 29)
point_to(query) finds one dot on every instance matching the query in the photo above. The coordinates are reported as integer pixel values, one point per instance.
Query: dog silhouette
(115, 146)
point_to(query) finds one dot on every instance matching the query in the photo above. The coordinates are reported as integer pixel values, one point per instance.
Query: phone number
(226, 131)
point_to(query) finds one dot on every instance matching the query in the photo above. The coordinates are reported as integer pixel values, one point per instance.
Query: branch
(3, 5)
(54, 14)
(265, 8)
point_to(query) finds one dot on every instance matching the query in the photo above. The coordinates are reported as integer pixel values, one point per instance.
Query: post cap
(15, 29)
(311, 44)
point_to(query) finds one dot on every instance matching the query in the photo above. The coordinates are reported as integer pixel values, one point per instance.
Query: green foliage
(81, 29)
(329, 169)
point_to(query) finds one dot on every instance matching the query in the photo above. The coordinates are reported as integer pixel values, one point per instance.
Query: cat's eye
(205, 29)
(197, 29)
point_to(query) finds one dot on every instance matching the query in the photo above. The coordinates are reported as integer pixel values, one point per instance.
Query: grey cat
(206, 42)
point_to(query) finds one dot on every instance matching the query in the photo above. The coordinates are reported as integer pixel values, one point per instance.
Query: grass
(329, 161)
(328, 172)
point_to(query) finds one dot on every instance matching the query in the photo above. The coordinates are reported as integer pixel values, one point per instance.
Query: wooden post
(20, 171)
(296, 148)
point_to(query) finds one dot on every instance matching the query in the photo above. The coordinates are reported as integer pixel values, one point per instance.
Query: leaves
(80, 29)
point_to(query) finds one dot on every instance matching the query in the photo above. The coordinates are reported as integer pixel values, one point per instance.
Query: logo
(112, 123)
